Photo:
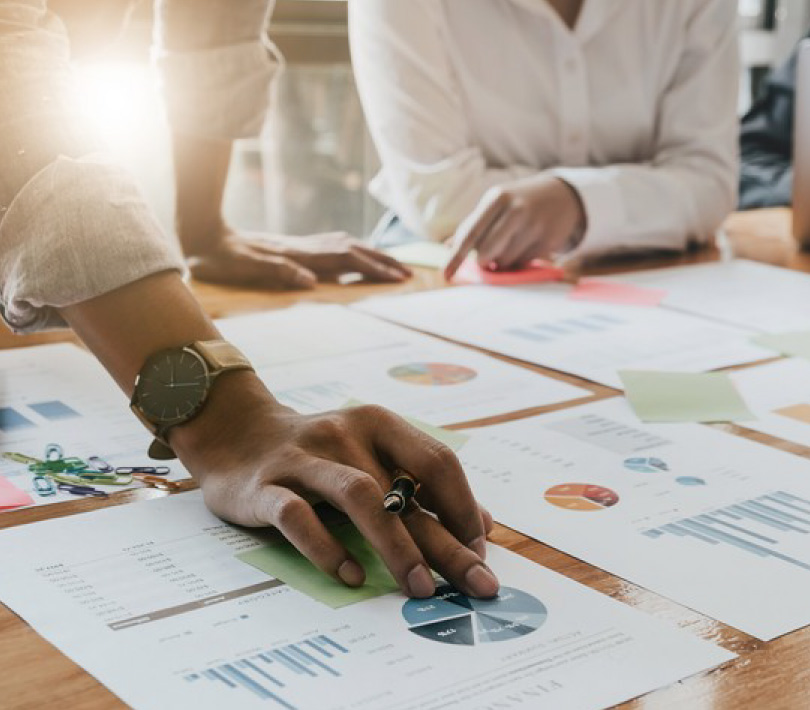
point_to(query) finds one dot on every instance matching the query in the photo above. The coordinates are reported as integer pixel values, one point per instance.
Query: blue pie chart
(453, 618)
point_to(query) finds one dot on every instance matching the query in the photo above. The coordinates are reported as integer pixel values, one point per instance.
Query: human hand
(282, 262)
(514, 224)
(257, 463)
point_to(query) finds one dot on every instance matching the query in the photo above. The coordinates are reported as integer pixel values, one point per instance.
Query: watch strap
(221, 356)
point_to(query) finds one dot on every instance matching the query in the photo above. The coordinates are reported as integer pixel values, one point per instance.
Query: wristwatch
(173, 386)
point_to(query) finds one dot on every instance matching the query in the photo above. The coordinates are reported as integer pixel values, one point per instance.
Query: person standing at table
(79, 246)
(551, 128)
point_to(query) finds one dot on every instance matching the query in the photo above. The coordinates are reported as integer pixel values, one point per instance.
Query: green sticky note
(684, 396)
(433, 255)
(796, 343)
(453, 439)
(282, 561)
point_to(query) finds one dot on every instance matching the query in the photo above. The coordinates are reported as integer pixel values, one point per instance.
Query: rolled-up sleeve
(217, 65)
(72, 226)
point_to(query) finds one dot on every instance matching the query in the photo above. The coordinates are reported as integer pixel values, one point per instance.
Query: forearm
(201, 172)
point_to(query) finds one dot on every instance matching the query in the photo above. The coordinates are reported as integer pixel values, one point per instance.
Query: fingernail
(351, 573)
(396, 273)
(479, 547)
(481, 582)
(420, 582)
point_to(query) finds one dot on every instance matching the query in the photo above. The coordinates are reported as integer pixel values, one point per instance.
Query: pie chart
(451, 617)
(432, 374)
(581, 496)
(646, 465)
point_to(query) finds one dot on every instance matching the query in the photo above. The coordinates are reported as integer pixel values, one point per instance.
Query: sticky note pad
(618, 293)
(684, 396)
(795, 343)
(453, 439)
(282, 561)
(12, 497)
(538, 272)
(432, 255)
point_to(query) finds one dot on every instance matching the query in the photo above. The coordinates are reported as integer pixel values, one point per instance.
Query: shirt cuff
(604, 208)
(221, 92)
(77, 230)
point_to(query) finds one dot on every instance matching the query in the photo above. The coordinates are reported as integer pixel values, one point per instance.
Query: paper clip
(84, 477)
(160, 483)
(149, 470)
(99, 464)
(20, 458)
(44, 486)
(81, 490)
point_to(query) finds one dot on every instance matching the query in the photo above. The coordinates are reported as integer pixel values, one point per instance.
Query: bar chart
(268, 673)
(760, 526)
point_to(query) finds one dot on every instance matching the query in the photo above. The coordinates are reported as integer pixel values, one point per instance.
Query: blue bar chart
(758, 526)
(266, 674)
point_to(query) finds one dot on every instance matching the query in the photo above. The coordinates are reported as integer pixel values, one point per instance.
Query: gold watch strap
(221, 356)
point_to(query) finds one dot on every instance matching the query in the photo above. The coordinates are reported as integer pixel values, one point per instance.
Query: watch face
(172, 386)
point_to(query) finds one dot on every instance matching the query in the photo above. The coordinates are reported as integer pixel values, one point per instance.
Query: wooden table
(774, 675)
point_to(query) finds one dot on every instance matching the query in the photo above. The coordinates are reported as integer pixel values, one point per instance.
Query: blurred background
(308, 172)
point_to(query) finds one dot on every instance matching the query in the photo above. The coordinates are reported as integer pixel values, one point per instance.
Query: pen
(402, 491)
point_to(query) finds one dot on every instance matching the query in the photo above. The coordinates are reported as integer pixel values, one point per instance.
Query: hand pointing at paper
(536, 218)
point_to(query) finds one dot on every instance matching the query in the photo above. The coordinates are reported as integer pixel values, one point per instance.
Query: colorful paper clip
(99, 464)
(77, 490)
(44, 487)
(149, 470)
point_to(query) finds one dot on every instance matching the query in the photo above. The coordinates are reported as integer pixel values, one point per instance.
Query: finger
(372, 268)
(458, 564)
(445, 490)
(281, 273)
(299, 524)
(473, 229)
(383, 258)
(360, 496)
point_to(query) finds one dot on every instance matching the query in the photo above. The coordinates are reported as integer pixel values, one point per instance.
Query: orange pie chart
(581, 496)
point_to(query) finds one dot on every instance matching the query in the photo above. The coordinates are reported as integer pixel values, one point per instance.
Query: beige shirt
(72, 225)
(635, 108)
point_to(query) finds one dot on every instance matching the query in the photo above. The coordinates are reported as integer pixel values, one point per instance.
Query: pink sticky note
(12, 497)
(612, 292)
(538, 272)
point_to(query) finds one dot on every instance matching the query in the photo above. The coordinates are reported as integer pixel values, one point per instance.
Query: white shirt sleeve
(216, 64)
(72, 226)
(434, 173)
(683, 194)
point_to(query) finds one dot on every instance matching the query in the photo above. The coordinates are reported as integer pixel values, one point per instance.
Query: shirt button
(571, 65)
(575, 136)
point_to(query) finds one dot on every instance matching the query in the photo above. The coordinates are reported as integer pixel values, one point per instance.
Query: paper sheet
(314, 358)
(538, 272)
(432, 255)
(683, 396)
(745, 293)
(592, 340)
(793, 343)
(61, 394)
(150, 599)
(779, 395)
(602, 291)
(713, 521)
(282, 561)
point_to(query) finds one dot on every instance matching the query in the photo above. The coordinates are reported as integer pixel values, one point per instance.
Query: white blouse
(635, 108)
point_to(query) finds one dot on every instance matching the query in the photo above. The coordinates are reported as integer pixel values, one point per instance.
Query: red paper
(12, 497)
(538, 272)
(613, 292)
